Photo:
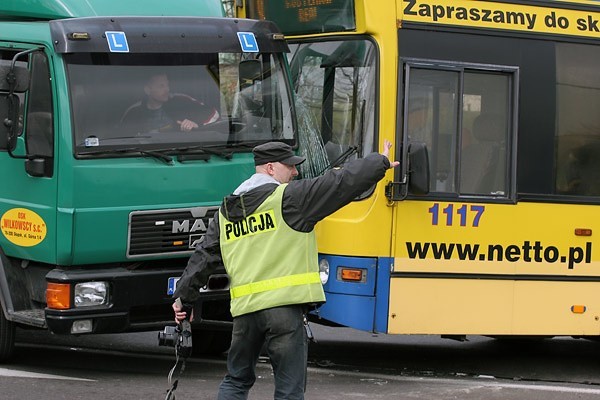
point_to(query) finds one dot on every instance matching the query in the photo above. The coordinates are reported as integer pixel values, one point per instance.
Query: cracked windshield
(335, 84)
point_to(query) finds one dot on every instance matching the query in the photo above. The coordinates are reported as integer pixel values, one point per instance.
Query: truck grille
(173, 231)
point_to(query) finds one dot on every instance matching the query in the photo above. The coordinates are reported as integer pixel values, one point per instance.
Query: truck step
(30, 317)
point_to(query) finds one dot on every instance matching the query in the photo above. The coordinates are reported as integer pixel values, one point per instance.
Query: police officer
(264, 235)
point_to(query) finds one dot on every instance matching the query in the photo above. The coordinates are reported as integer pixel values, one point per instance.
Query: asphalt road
(344, 364)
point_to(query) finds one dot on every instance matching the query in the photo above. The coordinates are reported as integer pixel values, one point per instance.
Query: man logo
(198, 222)
(184, 226)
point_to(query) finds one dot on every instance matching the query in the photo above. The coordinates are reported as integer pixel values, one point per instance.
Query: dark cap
(276, 152)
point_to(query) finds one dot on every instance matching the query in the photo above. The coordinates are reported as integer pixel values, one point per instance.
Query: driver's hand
(187, 125)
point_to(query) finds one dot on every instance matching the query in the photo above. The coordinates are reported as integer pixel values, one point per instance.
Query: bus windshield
(177, 101)
(335, 82)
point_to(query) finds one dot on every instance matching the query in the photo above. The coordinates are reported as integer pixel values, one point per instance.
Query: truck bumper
(137, 301)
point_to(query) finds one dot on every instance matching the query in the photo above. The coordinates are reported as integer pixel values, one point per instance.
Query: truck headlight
(91, 294)
(324, 270)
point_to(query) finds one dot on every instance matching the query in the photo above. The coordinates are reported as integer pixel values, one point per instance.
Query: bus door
(465, 116)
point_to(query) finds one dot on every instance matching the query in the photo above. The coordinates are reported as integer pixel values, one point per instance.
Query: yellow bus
(494, 109)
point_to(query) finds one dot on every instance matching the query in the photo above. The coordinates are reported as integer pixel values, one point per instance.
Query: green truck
(106, 186)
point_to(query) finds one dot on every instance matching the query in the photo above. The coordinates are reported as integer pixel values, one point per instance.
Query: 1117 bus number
(463, 214)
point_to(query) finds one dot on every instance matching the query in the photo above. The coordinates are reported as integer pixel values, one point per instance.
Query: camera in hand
(179, 336)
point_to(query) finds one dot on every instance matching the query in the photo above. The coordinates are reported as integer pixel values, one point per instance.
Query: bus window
(432, 118)
(577, 119)
(463, 116)
(483, 168)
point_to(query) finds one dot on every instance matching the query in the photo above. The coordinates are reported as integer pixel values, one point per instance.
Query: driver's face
(157, 89)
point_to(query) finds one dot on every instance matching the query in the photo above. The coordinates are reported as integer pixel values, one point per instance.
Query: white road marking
(13, 373)
(479, 381)
(483, 380)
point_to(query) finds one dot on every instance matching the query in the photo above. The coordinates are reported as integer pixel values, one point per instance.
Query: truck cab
(107, 186)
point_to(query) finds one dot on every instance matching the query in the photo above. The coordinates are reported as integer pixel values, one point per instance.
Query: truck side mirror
(9, 121)
(13, 79)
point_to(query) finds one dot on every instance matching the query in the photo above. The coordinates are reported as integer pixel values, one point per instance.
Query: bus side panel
(362, 305)
(450, 306)
(382, 293)
(474, 306)
(550, 307)
(506, 272)
(350, 303)
(349, 310)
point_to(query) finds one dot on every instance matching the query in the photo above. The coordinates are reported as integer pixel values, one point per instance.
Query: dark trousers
(282, 329)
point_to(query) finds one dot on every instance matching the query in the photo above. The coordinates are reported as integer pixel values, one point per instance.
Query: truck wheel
(7, 337)
(210, 343)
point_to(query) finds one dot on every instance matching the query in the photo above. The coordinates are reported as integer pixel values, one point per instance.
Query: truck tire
(7, 337)
(210, 343)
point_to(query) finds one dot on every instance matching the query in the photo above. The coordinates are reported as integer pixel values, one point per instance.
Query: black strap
(171, 392)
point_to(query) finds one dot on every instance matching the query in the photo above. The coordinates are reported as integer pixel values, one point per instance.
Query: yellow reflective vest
(269, 263)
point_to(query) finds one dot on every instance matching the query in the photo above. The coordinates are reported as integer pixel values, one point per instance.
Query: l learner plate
(172, 284)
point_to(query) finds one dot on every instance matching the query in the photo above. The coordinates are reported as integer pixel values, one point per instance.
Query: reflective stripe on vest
(276, 283)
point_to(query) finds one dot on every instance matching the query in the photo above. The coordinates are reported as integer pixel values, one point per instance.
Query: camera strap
(173, 383)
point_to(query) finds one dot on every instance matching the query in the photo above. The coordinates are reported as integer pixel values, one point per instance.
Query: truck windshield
(171, 102)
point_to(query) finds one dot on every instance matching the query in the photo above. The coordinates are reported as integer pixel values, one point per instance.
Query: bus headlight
(91, 294)
(324, 270)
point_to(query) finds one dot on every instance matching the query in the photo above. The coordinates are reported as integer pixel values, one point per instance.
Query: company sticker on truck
(23, 227)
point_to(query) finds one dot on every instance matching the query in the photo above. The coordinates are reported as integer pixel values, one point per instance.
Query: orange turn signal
(58, 295)
(583, 232)
(578, 309)
(178, 243)
(354, 275)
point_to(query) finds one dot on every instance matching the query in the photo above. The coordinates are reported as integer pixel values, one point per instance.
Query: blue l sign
(248, 42)
(117, 42)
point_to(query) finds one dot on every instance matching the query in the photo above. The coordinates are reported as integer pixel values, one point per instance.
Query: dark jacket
(305, 202)
(139, 118)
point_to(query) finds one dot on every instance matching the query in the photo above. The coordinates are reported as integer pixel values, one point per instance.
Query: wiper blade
(227, 155)
(152, 153)
(349, 151)
(157, 154)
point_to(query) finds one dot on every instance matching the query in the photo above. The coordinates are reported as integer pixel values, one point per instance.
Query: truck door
(27, 161)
